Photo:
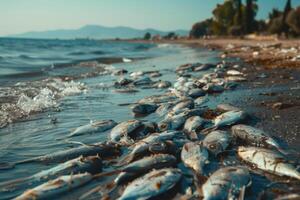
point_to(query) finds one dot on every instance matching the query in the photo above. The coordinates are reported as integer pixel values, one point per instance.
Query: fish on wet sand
(226, 183)
(217, 141)
(126, 130)
(93, 127)
(268, 160)
(144, 108)
(229, 118)
(253, 136)
(152, 184)
(194, 156)
(56, 187)
(91, 164)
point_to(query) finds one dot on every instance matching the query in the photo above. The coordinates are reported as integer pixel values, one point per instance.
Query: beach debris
(269, 161)
(227, 182)
(217, 141)
(194, 156)
(152, 184)
(234, 73)
(93, 127)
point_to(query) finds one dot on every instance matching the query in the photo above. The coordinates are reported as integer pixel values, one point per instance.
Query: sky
(18, 16)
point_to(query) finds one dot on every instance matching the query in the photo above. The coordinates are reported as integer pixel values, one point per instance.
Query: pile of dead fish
(193, 151)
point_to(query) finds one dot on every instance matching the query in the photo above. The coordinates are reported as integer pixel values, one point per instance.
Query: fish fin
(242, 193)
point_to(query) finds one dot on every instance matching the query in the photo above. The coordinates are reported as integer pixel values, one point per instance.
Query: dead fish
(177, 121)
(144, 108)
(193, 123)
(164, 108)
(162, 98)
(55, 187)
(213, 88)
(229, 118)
(234, 73)
(194, 156)
(195, 93)
(152, 184)
(142, 81)
(203, 67)
(145, 164)
(254, 136)
(142, 147)
(201, 100)
(235, 78)
(101, 149)
(126, 130)
(91, 164)
(93, 127)
(123, 82)
(226, 183)
(269, 161)
(227, 107)
(183, 105)
(217, 141)
(162, 84)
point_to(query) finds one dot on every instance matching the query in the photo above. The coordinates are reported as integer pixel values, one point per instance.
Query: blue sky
(19, 16)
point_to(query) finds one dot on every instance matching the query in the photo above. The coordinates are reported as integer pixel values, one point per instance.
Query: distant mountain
(95, 32)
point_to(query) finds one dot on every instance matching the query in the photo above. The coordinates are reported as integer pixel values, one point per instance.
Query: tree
(249, 16)
(147, 36)
(223, 17)
(201, 28)
(287, 9)
(293, 20)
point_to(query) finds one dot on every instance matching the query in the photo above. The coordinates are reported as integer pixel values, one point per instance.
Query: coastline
(271, 92)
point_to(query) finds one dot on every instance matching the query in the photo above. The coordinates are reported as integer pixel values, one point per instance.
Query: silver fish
(217, 141)
(91, 164)
(253, 135)
(101, 149)
(194, 156)
(193, 123)
(144, 108)
(183, 105)
(225, 183)
(56, 187)
(152, 184)
(141, 147)
(145, 164)
(229, 118)
(163, 98)
(269, 161)
(227, 107)
(125, 130)
(93, 127)
(164, 108)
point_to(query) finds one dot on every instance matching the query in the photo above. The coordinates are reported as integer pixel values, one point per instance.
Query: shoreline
(272, 77)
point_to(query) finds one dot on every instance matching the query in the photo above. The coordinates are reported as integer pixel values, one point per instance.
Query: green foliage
(275, 25)
(293, 20)
(171, 35)
(147, 36)
(201, 28)
(249, 16)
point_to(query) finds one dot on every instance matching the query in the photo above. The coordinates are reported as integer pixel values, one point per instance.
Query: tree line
(238, 18)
